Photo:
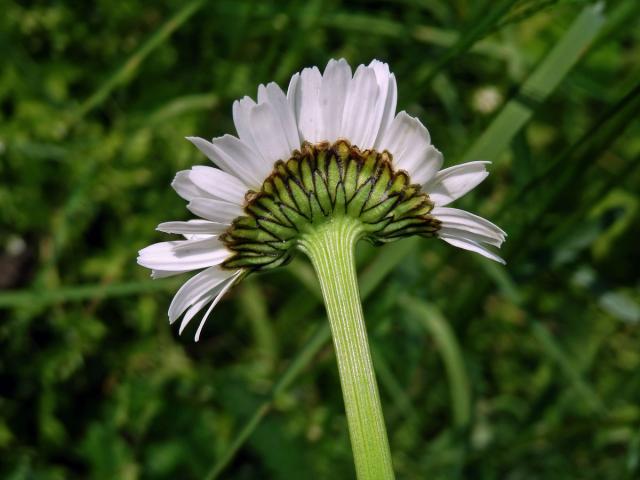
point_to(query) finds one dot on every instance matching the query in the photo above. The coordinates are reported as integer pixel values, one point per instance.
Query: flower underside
(319, 183)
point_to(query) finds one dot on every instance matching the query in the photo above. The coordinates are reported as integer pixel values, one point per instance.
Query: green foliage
(523, 371)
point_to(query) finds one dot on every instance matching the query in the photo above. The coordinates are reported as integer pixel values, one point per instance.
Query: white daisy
(333, 145)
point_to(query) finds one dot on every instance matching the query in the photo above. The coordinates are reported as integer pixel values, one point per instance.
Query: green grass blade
(389, 383)
(557, 354)
(120, 76)
(78, 293)
(302, 359)
(480, 27)
(552, 349)
(384, 263)
(427, 34)
(128, 69)
(241, 437)
(542, 82)
(254, 305)
(573, 163)
(181, 105)
(437, 326)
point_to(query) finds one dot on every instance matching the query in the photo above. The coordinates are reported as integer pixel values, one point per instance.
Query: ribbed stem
(330, 247)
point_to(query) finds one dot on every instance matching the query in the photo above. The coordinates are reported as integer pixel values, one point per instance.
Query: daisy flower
(332, 146)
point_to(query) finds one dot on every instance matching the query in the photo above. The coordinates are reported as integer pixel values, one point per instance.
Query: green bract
(319, 183)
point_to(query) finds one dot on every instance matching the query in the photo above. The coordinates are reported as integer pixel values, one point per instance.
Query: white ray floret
(190, 227)
(453, 182)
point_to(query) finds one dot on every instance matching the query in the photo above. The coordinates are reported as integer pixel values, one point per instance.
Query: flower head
(332, 146)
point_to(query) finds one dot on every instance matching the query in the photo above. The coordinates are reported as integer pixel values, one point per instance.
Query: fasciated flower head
(332, 146)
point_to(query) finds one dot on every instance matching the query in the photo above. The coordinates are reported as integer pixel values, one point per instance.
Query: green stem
(330, 247)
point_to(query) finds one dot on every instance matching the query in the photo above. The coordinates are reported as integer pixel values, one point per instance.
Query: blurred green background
(523, 372)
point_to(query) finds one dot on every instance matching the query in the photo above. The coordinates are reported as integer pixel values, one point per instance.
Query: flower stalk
(330, 247)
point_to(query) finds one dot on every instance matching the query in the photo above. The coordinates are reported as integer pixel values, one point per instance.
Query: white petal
(241, 119)
(243, 161)
(409, 143)
(218, 184)
(215, 210)
(234, 157)
(268, 134)
(387, 98)
(304, 95)
(292, 92)
(333, 93)
(229, 283)
(453, 182)
(210, 296)
(427, 164)
(463, 220)
(198, 306)
(155, 274)
(198, 236)
(207, 148)
(472, 246)
(473, 236)
(359, 122)
(183, 255)
(183, 185)
(390, 108)
(193, 290)
(192, 226)
(276, 97)
(405, 132)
